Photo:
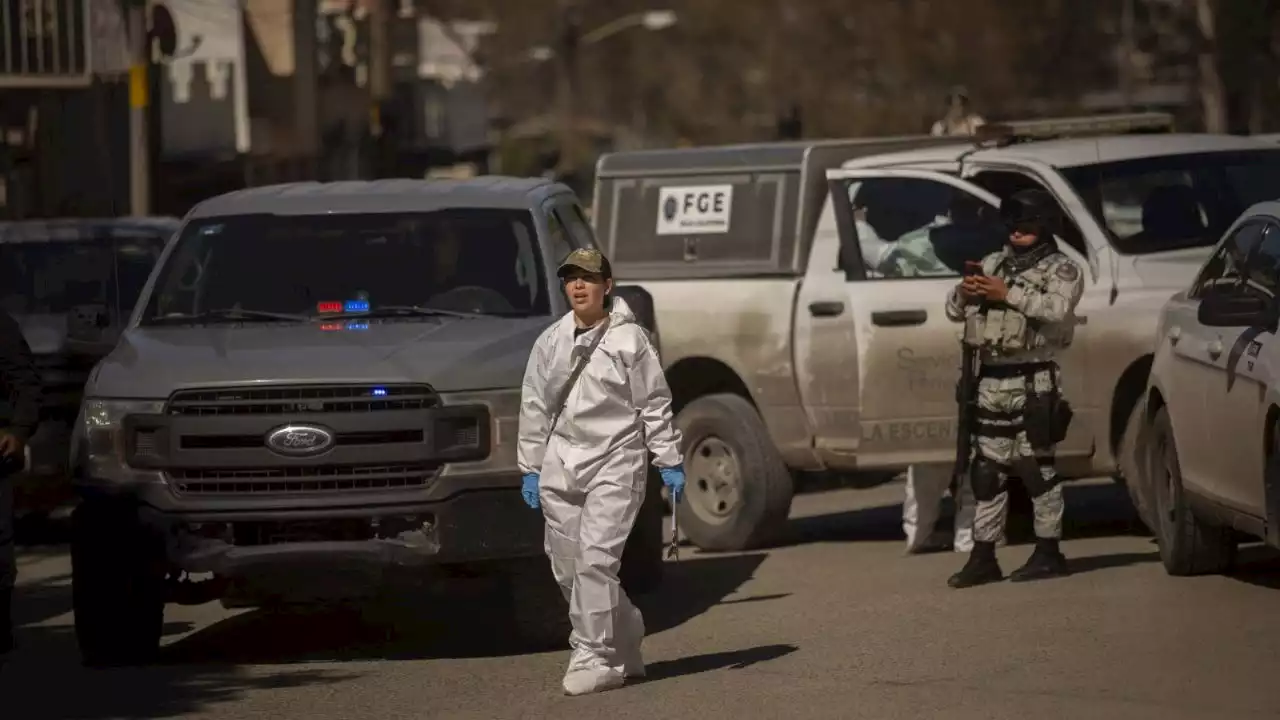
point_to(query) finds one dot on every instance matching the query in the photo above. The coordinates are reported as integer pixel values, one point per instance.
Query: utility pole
(139, 133)
(568, 41)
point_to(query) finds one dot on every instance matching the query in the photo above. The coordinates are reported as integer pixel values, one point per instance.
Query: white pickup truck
(799, 289)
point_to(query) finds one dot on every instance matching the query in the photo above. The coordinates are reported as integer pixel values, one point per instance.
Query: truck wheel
(1188, 545)
(738, 491)
(642, 563)
(118, 585)
(537, 611)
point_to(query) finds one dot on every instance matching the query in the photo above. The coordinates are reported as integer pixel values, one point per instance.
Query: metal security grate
(313, 399)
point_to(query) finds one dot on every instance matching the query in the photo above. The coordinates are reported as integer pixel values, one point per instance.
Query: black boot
(980, 569)
(1046, 561)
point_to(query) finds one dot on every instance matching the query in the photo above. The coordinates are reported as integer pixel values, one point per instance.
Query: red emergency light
(329, 307)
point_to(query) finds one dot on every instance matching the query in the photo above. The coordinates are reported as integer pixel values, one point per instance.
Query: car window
(1229, 262)
(483, 260)
(54, 277)
(135, 258)
(1176, 201)
(1004, 183)
(917, 227)
(579, 227)
(560, 242)
(1263, 259)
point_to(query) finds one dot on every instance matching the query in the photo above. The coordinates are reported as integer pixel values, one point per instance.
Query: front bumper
(473, 526)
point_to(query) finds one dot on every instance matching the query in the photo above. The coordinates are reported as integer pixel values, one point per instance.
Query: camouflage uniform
(1020, 415)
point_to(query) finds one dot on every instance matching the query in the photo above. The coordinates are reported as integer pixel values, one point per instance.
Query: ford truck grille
(285, 480)
(304, 399)
(381, 439)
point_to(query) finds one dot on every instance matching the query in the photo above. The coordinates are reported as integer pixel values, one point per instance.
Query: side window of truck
(559, 239)
(569, 229)
(916, 228)
(579, 227)
(1003, 183)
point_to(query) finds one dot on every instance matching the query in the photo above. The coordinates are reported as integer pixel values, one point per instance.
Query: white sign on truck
(694, 210)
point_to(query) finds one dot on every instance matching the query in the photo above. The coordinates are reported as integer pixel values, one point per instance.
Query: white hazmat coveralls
(592, 478)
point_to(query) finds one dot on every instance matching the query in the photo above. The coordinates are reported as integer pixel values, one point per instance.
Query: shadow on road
(1095, 510)
(1258, 565)
(733, 660)
(461, 623)
(45, 683)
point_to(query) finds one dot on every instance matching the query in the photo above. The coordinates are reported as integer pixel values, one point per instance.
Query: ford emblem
(299, 440)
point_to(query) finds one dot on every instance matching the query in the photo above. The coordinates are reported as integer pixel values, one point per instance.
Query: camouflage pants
(1000, 403)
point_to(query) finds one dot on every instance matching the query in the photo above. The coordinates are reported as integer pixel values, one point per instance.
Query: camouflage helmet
(1030, 208)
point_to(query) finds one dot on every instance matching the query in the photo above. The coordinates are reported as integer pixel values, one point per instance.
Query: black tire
(537, 611)
(642, 563)
(764, 484)
(1188, 545)
(118, 585)
(1131, 451)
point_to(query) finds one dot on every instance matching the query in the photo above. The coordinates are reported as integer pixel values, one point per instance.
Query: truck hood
(1172, 269)
(449, 354)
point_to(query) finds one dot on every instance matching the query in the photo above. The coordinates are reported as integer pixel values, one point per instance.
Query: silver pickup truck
(800, 287)
(318, 392)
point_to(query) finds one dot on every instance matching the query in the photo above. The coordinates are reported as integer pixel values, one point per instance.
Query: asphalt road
(835, 624)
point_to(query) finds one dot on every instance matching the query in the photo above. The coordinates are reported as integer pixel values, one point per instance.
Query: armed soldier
(1018, 310)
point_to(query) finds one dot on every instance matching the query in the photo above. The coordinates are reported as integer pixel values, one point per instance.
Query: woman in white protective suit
(594, 405)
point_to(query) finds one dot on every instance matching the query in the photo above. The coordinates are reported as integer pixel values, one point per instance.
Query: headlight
(97, 441)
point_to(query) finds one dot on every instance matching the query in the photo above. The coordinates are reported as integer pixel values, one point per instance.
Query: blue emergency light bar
(356, 306)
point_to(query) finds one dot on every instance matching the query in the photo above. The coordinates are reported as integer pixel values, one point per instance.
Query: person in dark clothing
(20, 384)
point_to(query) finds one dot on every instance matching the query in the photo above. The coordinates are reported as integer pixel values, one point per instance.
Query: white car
(1211, 470)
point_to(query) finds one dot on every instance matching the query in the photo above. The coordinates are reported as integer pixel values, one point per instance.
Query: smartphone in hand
(973, 269)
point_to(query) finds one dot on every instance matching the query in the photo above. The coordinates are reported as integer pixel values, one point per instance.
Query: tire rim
(714, 483)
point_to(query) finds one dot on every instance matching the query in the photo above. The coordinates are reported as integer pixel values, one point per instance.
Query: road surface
(835, 624)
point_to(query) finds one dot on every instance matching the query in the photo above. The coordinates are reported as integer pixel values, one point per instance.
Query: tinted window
(469, 260)
(914, 227)
(1250, 254)
(1176, 201)
(135, 258)
(53, 277)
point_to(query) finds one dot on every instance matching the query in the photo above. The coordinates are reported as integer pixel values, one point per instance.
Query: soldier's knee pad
(986, 478)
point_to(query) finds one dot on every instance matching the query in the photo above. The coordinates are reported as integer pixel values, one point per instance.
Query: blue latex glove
(673, 478)
(529, 490)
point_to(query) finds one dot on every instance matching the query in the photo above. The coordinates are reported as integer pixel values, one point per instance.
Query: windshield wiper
(407, 310)
(232, 314)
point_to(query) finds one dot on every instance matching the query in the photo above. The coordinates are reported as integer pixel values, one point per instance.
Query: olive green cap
(587, 259)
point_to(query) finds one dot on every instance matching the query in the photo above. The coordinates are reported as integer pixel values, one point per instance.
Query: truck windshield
(54, 277)
(463, 260)
(1176, 201)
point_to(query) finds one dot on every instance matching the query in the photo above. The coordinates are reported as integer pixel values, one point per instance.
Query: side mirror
(90, 331)
(641, 303)
(1236, 307)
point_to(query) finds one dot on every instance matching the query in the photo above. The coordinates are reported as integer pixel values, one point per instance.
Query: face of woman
(586, 292)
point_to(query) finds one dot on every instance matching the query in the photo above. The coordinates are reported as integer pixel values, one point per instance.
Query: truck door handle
(1215, 349)
(899, 318)
(827, 308)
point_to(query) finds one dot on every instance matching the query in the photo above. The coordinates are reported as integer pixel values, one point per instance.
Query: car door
(1237, 396)
(825, 349)
(1195, 378)
(905, 236)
